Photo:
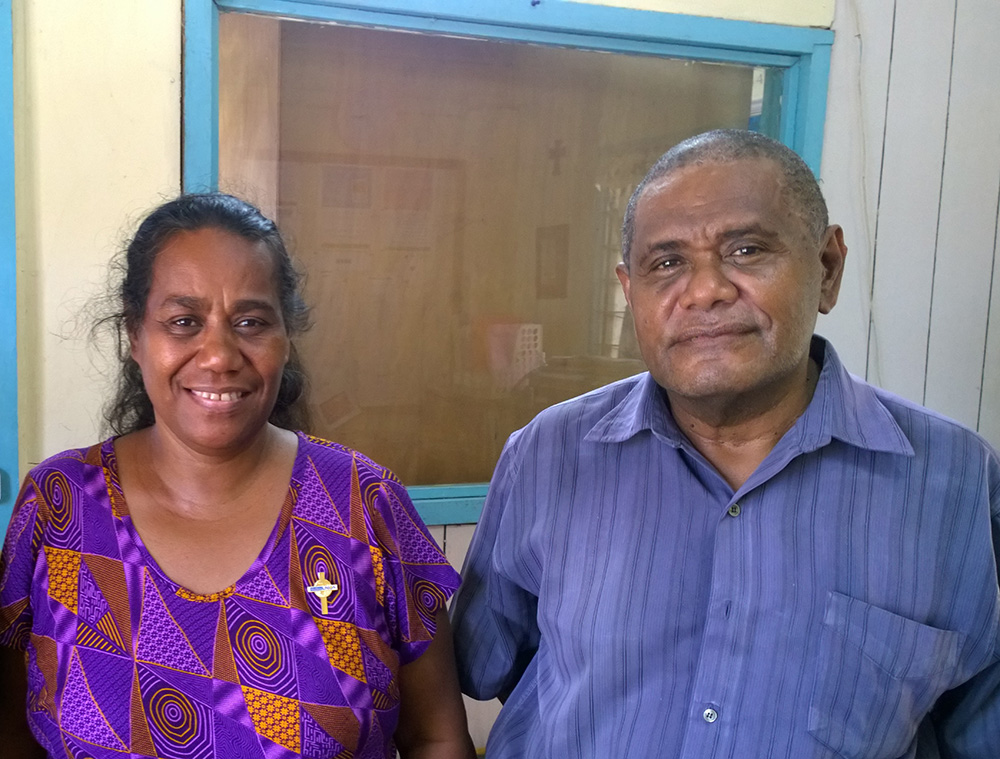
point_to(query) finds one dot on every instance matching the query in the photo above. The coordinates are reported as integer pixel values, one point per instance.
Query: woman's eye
(183, 322)
(250, 322)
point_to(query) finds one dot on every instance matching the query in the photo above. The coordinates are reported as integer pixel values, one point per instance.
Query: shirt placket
(713, 709)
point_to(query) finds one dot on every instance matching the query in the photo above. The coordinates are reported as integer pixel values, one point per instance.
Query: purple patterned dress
(124, 663)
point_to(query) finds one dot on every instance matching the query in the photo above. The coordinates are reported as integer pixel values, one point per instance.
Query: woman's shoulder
(328, 455)
(72, 460)
(66, 486)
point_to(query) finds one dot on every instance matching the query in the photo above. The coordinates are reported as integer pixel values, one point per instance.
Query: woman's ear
(134, 345)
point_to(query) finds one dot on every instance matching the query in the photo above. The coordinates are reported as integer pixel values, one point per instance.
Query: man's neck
(736, 434)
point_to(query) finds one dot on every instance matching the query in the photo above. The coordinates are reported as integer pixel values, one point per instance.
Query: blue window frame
(8, 290)
(801, 54)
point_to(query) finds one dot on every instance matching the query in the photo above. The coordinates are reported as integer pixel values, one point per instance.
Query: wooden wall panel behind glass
(249, 89)
(457, 205)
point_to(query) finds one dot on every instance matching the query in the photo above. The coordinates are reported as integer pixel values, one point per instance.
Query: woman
(209, 583)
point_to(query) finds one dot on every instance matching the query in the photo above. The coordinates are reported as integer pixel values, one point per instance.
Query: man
(745, 552)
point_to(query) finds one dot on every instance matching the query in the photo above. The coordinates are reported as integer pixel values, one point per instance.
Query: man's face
(725, 280)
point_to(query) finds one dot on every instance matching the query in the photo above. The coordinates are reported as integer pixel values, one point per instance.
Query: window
(456, 196)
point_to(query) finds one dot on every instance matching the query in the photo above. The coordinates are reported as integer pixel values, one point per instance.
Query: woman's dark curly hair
(130, 409)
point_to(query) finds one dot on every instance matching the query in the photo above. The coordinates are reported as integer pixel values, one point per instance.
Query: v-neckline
(119, 508)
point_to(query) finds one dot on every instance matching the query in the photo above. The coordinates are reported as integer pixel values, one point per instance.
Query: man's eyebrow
(665, 246)
(747, 229)
(669, 245)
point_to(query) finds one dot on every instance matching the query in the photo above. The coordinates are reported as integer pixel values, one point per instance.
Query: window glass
(457, 205)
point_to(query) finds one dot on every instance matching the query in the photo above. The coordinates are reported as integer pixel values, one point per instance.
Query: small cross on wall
(556, 153)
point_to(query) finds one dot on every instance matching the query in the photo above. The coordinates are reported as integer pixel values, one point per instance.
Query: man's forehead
(755, 174)
(735, 186)
(717, 200)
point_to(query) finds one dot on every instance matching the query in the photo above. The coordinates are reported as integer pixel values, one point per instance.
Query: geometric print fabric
(125, 663)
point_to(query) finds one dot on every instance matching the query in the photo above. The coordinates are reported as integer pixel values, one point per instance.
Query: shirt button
(710, 715)
(734, 510)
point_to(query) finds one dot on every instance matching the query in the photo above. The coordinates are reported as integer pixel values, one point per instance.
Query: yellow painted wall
(792, 12)
(97, 129)
(97, 134)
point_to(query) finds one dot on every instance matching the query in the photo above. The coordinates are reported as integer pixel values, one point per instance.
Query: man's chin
(708, 392)
(705, 379)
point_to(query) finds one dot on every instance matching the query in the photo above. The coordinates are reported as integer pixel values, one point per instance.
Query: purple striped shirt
(626, 602)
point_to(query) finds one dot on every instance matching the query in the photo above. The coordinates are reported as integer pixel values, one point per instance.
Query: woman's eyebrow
(195, 303)
(184, 301)
(253, 304)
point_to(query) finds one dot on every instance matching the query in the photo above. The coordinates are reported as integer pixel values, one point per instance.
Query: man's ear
(831, 256)
(622, 271)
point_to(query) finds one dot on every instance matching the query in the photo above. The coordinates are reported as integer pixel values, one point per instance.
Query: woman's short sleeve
(17, 568)
(418, 578)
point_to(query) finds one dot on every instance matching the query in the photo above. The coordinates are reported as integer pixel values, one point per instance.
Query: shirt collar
(843, 407)
(644, 408)
(848, 409)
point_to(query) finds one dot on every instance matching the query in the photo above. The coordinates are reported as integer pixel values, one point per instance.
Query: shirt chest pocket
(878, 676)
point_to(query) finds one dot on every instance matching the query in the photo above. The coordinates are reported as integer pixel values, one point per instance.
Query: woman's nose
(219, 350)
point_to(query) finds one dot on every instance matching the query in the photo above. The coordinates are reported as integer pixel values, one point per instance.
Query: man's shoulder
(925, 428)
(593, 405)
(569, 421)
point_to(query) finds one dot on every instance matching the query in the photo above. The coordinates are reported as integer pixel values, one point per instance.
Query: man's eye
(746, 250)
(667, 263)
(183, 322)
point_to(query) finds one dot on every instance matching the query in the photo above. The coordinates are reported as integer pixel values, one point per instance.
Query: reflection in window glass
(457, 205)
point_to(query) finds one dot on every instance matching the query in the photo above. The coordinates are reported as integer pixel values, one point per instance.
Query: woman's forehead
(211, 259)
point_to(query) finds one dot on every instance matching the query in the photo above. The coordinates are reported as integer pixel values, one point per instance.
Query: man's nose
(707, 285)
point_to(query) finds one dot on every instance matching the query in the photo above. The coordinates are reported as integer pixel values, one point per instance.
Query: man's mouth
(703, 333)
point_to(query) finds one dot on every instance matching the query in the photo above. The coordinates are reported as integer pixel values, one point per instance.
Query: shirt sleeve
(967, 718)
(494, 614)
(17, 568)
(412, 575)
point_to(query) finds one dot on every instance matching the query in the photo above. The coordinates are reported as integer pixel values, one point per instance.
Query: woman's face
(212, 343)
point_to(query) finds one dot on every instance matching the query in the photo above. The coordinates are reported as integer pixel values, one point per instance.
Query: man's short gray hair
(726, 146)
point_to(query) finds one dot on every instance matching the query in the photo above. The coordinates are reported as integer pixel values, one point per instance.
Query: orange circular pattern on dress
(259, 647)
(429, 595)
(370, 495)
(173, 715)
(318, 560)
(59, 497)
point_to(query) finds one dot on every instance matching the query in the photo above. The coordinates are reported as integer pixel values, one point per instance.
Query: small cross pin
(323, 588)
